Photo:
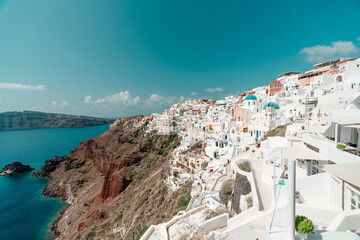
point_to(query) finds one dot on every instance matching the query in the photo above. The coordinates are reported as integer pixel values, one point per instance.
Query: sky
(118, 58)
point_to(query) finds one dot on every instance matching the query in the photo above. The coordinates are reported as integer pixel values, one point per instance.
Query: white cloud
(157, 100)
(213, 90)
(335, 50)
(87, 99)
(20, 86)
(193, 93)
(121, 98)
(123, 101)
(62, 104)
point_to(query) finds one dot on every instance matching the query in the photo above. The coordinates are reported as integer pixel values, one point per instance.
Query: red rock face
(61, 192)
(95, 217)
(114, 183)
(97, 176)
(100, 158)
(82, 226)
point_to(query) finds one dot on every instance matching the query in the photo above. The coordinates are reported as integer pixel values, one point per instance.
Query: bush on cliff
(226, 191)
(245, 166)
(141, 232)
(276, 132)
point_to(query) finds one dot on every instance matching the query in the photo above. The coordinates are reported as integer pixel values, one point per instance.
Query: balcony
(328, 148)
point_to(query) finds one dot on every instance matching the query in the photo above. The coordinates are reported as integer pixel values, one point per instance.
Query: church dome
(271, 104)
(250, 97)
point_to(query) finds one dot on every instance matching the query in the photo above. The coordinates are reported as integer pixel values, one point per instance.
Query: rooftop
(250, 97)
(271, 104)
(287, 74)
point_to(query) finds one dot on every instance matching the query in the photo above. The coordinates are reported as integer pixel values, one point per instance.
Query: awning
(347, 171)
(300, 151)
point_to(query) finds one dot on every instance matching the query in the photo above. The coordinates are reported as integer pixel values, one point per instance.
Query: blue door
(257, 134)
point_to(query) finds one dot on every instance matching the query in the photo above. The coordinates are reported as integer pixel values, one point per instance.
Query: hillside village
(289, 148)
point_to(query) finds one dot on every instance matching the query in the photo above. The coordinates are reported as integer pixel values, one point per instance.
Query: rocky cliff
(28, 120)
(114, 184)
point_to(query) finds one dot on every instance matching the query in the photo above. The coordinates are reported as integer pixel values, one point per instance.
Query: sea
(24, 213)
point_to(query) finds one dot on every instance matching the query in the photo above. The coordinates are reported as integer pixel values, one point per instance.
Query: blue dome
(250, 97)
(271, 104)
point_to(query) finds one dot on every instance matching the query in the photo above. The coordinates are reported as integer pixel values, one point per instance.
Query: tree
(245, 166)
(174, 125)
(226, 190)
(304, 225)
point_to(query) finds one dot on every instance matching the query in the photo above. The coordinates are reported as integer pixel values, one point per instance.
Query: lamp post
(274, 181)
(336, 134)
(291, 198)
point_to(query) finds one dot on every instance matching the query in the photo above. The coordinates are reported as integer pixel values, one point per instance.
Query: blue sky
(120, 58)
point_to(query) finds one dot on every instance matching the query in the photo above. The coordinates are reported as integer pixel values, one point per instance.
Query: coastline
(49, 231)
(38, 212)
(53, 228)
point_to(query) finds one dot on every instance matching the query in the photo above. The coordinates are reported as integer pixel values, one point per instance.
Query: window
(355, 200)
(352, 198)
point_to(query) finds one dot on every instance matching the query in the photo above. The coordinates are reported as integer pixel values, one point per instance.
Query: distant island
(31, 119)
(15, 168)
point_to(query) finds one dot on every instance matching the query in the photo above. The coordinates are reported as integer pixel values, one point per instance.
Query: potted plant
(303, 226)
(341, 146)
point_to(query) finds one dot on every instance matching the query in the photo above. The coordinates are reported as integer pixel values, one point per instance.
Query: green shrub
(298, 219)
(172, 138)
(245, 166)
(226, 190)
(141, 232)
(219, 211)
(183, 202)
(249, 201)
(341, 146)
(304, 225)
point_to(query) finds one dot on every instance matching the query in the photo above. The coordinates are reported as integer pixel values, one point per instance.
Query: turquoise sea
(24, 213)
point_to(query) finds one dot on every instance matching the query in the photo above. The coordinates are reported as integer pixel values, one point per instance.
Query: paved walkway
(264, 189)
